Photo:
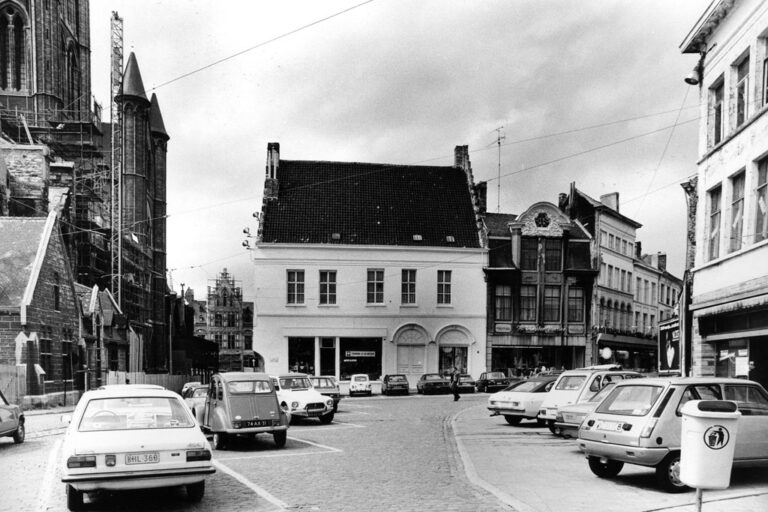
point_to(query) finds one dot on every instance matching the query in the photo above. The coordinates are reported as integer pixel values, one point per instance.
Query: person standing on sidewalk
(455, 376)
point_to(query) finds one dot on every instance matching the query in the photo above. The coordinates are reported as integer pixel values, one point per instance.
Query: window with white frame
(761, 200)
(737, 211)
(742, 91)
(713, 245)
(576, 304)
(375, 288)
(408, 287)
(327, 287)
(443, 286)
(527, 303)
(717, 126)
(502, 310)
(295, 287)
(551, 303)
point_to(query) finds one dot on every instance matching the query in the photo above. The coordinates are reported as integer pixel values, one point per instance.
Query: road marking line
(255, 488)
(46, 486)
(273, 455)
(329, 448)
(471, 472)
(330, 427)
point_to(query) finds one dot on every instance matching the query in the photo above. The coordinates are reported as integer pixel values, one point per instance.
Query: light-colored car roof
(231, 376)
(128, 390)
(294, 375)
(684, 380)
(130, 386)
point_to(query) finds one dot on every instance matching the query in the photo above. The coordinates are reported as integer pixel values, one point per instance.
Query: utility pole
(499, 137)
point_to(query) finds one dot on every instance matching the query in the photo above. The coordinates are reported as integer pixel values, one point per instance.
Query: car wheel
(281, 436)
(196, 491)
(540, 422)
(74, 498)
(551, 426)
(219, 440)
(20, 434)
(668, 474)
(326, 418)
(513, 420)
(607, 469)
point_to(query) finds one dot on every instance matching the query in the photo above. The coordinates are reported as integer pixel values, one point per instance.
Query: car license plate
(256, 423)
(608, 425)
(142, 458)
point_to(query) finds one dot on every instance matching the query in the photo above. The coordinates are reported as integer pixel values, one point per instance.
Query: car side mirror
(66, 419)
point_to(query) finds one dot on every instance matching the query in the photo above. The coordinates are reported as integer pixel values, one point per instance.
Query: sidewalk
(530, 470)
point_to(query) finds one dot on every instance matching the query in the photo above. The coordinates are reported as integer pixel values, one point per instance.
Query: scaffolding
(116, 239)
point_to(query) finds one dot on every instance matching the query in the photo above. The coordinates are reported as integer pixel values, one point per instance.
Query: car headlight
(329, 403)
(81, 461)
(559, 417)
(294, 405)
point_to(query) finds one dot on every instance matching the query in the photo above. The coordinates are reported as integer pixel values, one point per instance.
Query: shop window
(408, 287)
(737, 211)
(551, 303)
(360, 355)
(444, 287)
(327, 287)
(503, 303)
(576, 304)
(761, 198)
(453, 356)
(527, 303)
(295, 287)
(529, 251)
(375, 293)
(301, 355)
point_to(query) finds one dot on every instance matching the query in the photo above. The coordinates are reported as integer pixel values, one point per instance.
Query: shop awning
(732, 306)
(629, 341)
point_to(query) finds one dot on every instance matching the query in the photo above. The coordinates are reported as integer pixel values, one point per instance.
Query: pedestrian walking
(455, 376)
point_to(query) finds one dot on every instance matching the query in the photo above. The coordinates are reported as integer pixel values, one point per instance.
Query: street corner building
(39, 313)
(370, 268)
(728, 241)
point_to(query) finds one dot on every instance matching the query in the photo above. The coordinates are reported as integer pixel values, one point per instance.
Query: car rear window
(750, 400)
(361, 378)
(525, 386)
(322, 383)
(397, 378)
(199, 392)
(244, 387)
(496, 375)
(432, 377)
(295, 383)
(134, 413)
(630, 400)
(571, 382)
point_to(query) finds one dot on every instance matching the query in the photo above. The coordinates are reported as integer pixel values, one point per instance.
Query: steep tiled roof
(370, 204)
(156, 118)
(497, 223)
(19, 239)
(132, 84)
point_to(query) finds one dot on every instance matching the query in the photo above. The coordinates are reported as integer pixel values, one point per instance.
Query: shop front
(335, 356)
(632, 353)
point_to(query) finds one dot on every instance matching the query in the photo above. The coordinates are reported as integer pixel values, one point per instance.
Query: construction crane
(116, 214)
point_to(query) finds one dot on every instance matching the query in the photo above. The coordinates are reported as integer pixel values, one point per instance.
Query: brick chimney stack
(661, 261)
(271, 185)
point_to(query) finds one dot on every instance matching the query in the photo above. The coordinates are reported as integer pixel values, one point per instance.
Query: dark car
(11, 420)
(493, 381)
(466, 383)
(432, 383)
(396, 383)
(327, 386)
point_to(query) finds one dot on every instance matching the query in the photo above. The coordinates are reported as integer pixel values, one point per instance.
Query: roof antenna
(499, 137)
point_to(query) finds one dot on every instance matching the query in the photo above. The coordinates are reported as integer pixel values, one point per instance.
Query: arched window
(13, 42)
(72, 84)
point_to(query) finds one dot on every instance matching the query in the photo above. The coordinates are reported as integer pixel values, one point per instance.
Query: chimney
(611, 200)
(638, 250)
(481, 189)
(461, 157)
(562, 202)
(661, 261)
(273, 159)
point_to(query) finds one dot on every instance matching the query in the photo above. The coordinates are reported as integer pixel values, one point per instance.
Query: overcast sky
(403, 82)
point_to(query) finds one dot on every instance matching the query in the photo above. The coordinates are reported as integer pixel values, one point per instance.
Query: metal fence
(172, 382)
(13, 382)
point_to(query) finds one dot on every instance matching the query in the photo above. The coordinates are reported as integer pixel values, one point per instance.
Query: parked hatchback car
(359, 384)
(493, 381)
(396, 383)
(327, 386)
(569, 417)
(300, 399)
(11, 420)
(520, 400)
(133, 438)
(640, 422)
(575, 386)
(243, 404)
(432, 383)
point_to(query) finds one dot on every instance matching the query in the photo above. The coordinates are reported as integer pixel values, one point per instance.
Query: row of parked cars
(620, 418)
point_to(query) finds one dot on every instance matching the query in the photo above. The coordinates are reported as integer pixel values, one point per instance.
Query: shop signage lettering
(359, 353)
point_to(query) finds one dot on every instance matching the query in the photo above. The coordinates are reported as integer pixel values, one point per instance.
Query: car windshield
(397, 378)
(245, 387)
(598, 397)
(199, 392)
(496, 375)
(525, 386)
(361, 378)
(630, 400)
(295, 383)
(3, 401)
(322, 383)
(571, 382)
(135, 412)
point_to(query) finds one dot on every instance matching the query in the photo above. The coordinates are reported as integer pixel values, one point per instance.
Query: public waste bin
(707, 442)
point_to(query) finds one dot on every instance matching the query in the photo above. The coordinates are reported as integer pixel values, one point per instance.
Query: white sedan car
(133, 437)
(521, 400)
(300, 399)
